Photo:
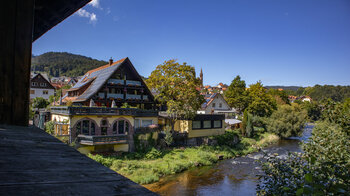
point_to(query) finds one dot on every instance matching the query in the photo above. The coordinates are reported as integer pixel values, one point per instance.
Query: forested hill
(64, 64)
(292, 88)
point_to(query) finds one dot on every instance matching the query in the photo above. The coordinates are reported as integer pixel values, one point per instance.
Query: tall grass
(145, 168)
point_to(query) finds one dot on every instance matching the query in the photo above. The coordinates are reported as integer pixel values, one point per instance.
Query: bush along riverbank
(150, 166)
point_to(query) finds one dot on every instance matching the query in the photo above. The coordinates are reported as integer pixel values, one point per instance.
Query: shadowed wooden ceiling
(48, 13)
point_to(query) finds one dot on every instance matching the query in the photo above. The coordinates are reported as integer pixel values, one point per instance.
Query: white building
(216, 104)
(40, 86)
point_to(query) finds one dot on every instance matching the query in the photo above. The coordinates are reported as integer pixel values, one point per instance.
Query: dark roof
(208, 99)
(45, 77)
(97, 77)
(48, 13)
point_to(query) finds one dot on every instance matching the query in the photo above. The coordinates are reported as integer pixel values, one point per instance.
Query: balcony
(115, 82)
(133, 83)
(115, 96)
(92, 140)
(129, 96)
(67, 110)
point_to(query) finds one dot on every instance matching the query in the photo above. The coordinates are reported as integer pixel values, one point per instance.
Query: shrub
(249, 132)
(323, 169)
(153, 154)
(50, 127)
(287, 121)
(168, 136)
(230, 138)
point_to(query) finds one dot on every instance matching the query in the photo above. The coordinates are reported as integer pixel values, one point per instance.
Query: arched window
(121, 127)
(85, 127)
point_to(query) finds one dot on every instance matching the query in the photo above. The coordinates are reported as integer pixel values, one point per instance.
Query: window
(146, 123)
(43, 84)
(220, 105)
(121, 127)
(85, 127)
(45, 92)
(213, 105)
(196, 124)
(207, 124)
(137, 123)
(217, 124)
(34, 84)
(32, 91)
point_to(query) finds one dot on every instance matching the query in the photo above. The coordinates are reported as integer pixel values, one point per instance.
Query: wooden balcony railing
(100, 140)
(115, 81)
(130, 96)
(115, 96)
(133, 83)
(68, 110)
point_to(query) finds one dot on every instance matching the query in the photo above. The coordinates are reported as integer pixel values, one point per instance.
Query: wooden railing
(102, 111)
(133, 83)
(100, 140)
(116, 81)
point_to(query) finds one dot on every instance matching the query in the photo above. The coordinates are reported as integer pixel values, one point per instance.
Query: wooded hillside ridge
(57, 64)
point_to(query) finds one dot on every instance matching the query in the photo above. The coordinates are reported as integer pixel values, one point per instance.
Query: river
(236, 176)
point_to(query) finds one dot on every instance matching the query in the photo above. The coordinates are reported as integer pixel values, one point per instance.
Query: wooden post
(16, 29)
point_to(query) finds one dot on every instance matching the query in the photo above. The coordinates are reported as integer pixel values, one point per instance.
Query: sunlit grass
(145, 168)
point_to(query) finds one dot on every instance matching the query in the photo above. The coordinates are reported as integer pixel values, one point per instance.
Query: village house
(40, 86)
(216, 104)
(98, 122)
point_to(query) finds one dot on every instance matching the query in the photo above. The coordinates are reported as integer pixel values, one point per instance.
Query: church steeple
(201, 77)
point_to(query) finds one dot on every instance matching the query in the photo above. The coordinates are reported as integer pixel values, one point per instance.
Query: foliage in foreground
(148, 167)
(287, 121)
(323, 168)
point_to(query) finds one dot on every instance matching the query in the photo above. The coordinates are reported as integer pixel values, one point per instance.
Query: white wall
(217, 100)
(38, 92)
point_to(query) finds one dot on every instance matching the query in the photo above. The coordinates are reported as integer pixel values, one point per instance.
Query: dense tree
(176, 87)
(287, 121)
(261, 103)
(64, 64)
(280, 96)
(236, 94)
(313, 110)
(40, 102)
(337, 112)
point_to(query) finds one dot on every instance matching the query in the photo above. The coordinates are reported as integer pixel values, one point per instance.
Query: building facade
(40, 87)
(216, 104)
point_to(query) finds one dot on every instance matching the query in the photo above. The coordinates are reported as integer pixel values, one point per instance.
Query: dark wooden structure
(21, 23)
(35, 163)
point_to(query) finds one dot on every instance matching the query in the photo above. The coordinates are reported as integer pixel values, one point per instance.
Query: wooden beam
(16, 27)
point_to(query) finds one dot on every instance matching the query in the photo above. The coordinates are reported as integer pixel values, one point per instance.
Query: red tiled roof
(105, 66)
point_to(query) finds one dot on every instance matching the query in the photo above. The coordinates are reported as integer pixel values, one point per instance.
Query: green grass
(145, 168)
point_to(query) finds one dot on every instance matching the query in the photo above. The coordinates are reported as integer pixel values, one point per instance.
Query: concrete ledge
(33, 162)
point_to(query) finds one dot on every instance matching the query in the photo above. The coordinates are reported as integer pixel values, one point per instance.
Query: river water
(236, 176)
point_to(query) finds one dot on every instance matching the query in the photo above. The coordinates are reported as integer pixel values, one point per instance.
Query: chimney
(110, 61)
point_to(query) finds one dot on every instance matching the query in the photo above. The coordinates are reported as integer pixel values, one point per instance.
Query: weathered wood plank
(29, 166)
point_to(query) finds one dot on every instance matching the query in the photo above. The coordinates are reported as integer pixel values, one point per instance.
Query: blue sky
(280, 42)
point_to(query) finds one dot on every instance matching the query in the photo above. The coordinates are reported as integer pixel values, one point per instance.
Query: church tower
(201, 78)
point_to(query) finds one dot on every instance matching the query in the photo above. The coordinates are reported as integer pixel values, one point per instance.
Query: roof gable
(210, 98)
(42, 78)
(99, 76)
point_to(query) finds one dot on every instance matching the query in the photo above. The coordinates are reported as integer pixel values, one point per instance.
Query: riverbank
(145, 168)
